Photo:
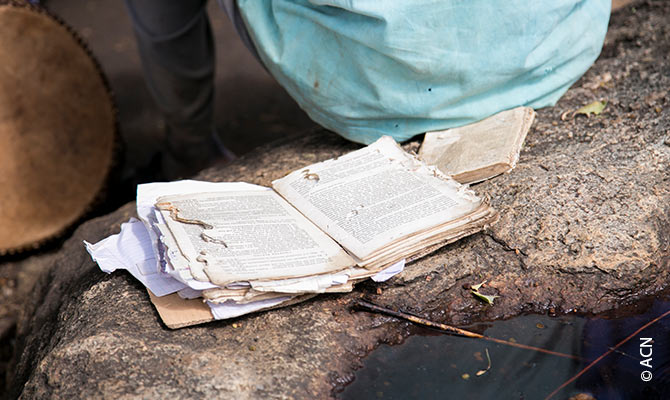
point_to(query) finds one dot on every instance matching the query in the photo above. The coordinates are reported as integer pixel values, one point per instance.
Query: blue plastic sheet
(370, 68)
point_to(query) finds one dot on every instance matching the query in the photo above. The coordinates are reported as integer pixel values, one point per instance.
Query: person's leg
(176, 47)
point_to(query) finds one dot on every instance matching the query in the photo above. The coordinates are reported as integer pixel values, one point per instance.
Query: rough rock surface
(585, 224)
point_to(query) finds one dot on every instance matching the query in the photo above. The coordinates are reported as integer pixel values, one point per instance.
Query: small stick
(448, 328)
(608, 352)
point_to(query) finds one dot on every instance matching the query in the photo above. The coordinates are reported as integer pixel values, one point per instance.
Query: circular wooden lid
(57, 128)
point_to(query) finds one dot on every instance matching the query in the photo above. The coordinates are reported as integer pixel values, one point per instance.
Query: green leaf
(487, 298)
(475, 291)
(594, 108)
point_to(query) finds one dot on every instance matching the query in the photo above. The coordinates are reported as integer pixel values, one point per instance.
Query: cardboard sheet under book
(220, 250)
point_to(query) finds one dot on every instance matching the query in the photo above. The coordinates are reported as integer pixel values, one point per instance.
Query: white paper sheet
(129, 249)
(310, 284)
(389, 272)
(188, 293)
(231, 309)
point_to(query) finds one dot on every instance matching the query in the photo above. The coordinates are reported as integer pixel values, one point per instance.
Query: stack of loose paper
(219, 250)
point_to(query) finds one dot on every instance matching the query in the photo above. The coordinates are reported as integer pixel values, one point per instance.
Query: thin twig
(625, 354)
(608, 352)
(448, 328)
(588, 343)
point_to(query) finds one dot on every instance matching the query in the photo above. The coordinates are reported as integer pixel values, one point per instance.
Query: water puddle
(432, 365)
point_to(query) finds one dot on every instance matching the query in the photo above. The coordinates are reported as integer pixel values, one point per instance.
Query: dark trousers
(176, 46)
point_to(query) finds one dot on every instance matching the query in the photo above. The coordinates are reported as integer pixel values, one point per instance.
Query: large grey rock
(584, 226)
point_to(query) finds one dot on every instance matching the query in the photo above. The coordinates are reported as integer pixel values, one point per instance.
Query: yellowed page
(248, 235)
(468, 152)
(373, 196)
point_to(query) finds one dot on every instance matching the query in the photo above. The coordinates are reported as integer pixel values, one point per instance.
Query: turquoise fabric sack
(370, 68)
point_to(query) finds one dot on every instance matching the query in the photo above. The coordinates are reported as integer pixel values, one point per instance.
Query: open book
(479, 151)
(319, 229)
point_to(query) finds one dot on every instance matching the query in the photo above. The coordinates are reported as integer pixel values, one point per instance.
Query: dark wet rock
(585, 225)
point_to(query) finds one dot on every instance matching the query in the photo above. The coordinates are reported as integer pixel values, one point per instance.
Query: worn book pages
(375, 197)
(222, 250)
(422, 243)
(149, 251)
(482, 150)
(248, 235)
